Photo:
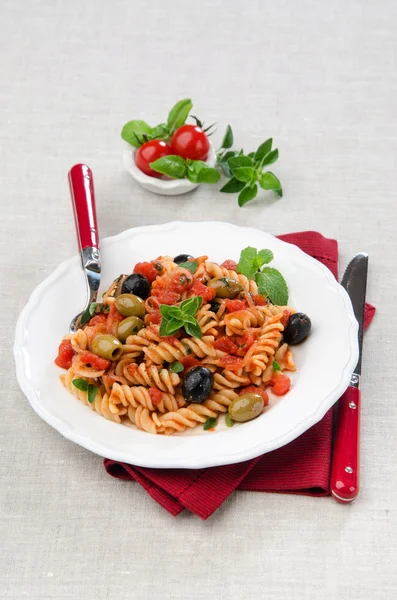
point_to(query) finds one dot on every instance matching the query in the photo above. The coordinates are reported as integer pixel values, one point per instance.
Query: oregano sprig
(175, 317)
(271, 284)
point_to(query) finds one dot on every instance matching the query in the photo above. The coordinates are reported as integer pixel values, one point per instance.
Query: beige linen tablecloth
(319, 77)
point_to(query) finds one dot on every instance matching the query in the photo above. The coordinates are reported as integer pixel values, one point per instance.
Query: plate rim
(191, 462)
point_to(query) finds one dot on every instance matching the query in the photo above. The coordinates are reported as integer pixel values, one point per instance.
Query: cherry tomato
(232, 363)
(155, 395)
(147, 269)
(190, 141)
(225, 344)
(89, 358)
(256, 390)
(199, 289)
(233, 305)
(259, 300)
(153, 318)
(281, 384)
(229, 264)
(150, 152)
(65, 355)
(189, 361)
(166, 296)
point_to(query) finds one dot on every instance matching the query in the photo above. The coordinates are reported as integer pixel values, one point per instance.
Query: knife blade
(345, 473)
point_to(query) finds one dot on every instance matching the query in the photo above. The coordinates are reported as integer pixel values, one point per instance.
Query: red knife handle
(83, 199)
(345, 475)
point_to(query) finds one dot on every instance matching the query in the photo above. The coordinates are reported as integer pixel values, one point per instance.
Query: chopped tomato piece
(170, 339)
(89, 358)
(155, 395)
(254, 389)
(153, 318)
(199, 289)
(101, 318)
(92, 331)
(113, 320)
(179, 282)
(285, 317)
(148, 270)
(65, 355)
(225, 344)
(232, 363)
(281, 384)
(259, 300)
(233, 305)
(166, 296)
(243, 343)
(229, 264)
(189, 361)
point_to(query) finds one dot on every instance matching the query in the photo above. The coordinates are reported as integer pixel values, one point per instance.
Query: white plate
(325, 360)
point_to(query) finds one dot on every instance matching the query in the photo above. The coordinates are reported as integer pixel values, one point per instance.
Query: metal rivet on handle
(348, 470)
(352, 405)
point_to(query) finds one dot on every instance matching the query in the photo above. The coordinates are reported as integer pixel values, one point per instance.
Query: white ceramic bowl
(165, 187)
(324, 361)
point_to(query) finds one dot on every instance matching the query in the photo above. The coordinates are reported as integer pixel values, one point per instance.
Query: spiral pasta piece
(214, 270)
(207, 320)
(83, 370)
(144, 419)
(258, 356)
(135, 344)
(284, 358)
(166, 352)
(151, 376)
(139, 396)
(229, 380)
(78, 340)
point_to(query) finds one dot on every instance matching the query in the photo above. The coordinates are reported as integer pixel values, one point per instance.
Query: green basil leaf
(189, 319)
(276, 366)
(173, 325)
(86, 316)
(199, 172)
(92, 308)
(268, 181)
(172, 165)
(163, 327)
(210, 423)
(247, 264)
(229, 421)
(191, 305)
(264, 257)
(269, 158)
(263, 149)
(92, 392)
(178, 114)
(133, 130)
(81, 384)
(176, 367)
(190, 265)
(244, 173)
(193, 330)
(227, 141)
(239, 161)
(104, 308)
(247, 194)
(232, 186)
(169, 311)
(251, 154)
(272, 285)
(160, 132)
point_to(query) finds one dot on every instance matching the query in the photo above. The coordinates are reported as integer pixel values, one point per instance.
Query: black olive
(136, 284)
(197, 384)
(297, 329)
(181, 258)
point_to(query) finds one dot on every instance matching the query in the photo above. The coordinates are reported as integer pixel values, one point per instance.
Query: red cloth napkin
(301, 467)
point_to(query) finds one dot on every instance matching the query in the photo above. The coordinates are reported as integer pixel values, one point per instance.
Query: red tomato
(190, 141)
(165, 296)
(155, 395)
(233, 305)
(153, 318)
(113, 320)
(229, 264)
(146, 269)
(170, 339)
(179, 282)
(244, 342)
(232, 363)
(254, 389)
(199, 289)
(150, 152)
(65, 355)
(88, 358)
(259, 300)
(281, 384)
(97, 319)
(189, 361)
(285, 317)
(225, 344)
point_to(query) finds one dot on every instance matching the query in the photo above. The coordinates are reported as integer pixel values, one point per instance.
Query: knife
(345, 474)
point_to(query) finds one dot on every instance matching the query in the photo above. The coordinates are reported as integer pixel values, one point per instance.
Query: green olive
(225, 287)
(107, 346)
(246, 407)
(129, 326)
(130, 305)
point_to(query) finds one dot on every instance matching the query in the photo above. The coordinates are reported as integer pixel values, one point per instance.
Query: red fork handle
(345, 475)
(81, 184)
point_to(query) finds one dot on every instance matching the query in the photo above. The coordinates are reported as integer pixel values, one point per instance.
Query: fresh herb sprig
(91, 310)
(271, 284)
(175, 317)
(84, 386)
(246, 171)
(196, 171)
